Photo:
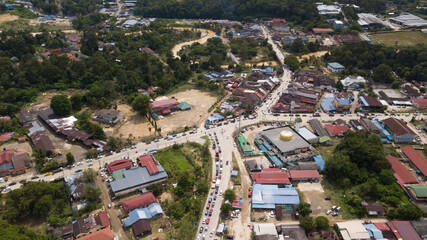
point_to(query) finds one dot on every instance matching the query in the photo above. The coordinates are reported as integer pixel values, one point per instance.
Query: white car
(220, 193)
(1, 180)
(212, 233)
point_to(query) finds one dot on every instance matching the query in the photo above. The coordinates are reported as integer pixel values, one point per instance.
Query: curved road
(206, 34)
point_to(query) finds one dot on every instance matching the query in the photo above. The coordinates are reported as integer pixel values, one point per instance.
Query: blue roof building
(328, 105)
(268, 196)
(335, 67)
(152, 211)
(214, 117)
(374, 231)
(320, 162)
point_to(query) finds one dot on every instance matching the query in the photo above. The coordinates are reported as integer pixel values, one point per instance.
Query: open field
(7, 18)
(171, 159)
(401, 38)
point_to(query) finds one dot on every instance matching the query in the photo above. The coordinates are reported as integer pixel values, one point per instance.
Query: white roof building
(265, 229)
(352, 82)
(328, 9)
(353, 230)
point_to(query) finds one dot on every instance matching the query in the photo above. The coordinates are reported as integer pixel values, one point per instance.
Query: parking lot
(315, 195)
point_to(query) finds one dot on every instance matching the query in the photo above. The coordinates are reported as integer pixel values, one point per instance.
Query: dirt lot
(315, 54)
(131, 123)
(7, 18)
(315, 195)
(26, 147)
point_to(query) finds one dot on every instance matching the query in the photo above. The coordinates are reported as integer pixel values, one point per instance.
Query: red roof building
(148, 161)
(118, 164)
(141, 227)
(336, 131)
(400, 172)
(271, 177)
(138, 202)
(104, 234)
(404, 230)
(420, 103)
(6, 156)
(5, 137)
(304, 175)
(159, 105)
(103, 220)
(415, 158)
(322, 30)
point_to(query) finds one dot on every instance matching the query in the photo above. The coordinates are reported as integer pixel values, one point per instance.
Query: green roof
(184, 106)
(324, 139)
(244, 144)
(117, 175)
(155, 116)
(420, 190)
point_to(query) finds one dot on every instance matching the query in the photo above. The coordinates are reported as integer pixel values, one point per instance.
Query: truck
(213, 185)
(218, 182)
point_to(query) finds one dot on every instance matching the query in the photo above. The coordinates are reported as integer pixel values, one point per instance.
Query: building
(152, 211)
(142, 200)
(421, 227)
(165, 106)
(409, 20)
(369, 102)
(104, 234)
(308, 135)
(107, 116)
(369, 20)
(403, 230)
(271, 176)
(342, 104)
(347, 38)
(335, 67)
(420, 103)
(418, 192)
(385, 230)
(374, 232)
(265, 231)
(335, 130)
(286, 140)
(304, 175)
(400, 131)
(268, 196)
(293, 232)
(141, 227)
(368, 125)
(13, 162)
(352, 82)
(373, 208)
(135, 178)
(148, 51)
(317, 127)
(417, 160)
(36, 132)
(401, 173)
(118, 164)
(63, 232)
(353, 230)
(322, 30)
(328, 9)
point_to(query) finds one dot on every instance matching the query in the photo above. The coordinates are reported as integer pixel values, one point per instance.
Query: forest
(358, 170)
(409, 63)
(292, 10)
(68, 7)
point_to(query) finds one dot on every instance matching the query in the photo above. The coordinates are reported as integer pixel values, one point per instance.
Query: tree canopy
(61, 105)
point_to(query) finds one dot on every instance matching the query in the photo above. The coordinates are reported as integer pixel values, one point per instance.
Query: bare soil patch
(131, 123)
(7, 18)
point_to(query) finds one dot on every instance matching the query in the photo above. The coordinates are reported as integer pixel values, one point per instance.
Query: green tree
(226, 208)
(292, 62)
(229, 195)
(93, 193)
(322, 223)
(70, 158)
(89, 175)
(303, 208)
(142, 105)
(77, 101)
(386, 177)
(61, 105)
(409, 212)
(307, 223)
(382, 73)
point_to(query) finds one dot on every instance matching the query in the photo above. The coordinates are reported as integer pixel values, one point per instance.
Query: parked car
(328, 212)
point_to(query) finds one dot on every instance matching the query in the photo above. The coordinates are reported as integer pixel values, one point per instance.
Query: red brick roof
(335, 130)
(148, 162)
(140, 201)
(415, 158)
(5, 137)
(400, 172)
(118, 164)
(164, 103)
(271, 177)
(271, 170)
(298, 174)
(104, 234)
(420, 102)
(382, 226)
(6, 156)
(397, 126)
(102, 219)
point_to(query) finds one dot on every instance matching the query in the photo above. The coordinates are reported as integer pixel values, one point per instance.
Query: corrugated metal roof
(403, 173)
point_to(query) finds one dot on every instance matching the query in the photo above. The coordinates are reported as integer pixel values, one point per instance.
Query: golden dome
(286, 135)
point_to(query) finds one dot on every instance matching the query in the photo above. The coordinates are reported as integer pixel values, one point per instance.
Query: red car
(219, 176)
(208, 206)
(207, 221)
(210, 212)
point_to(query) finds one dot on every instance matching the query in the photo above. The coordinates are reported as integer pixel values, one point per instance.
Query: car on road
(12, 183)
(213, 205)
(22, 181)
(212, 233)
(208, 206)
(210, 213)
(327, 198)
(215, 198)
(335, 214)
(210, 200)
(220, 193)
(201, 230)
(219, 177)
(207, 221)
(206, 212)
(206, 228)
(1, 180)
(109, 205)
(7, 189)
(77, 171)
(34, 177)
(47, 174)
(6, 179)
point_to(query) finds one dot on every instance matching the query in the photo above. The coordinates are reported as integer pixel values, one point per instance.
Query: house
(348, 38)
(335, 67)
(11, 162)
(328, 9)
(318, 128)
(118, 164)
(141, 227)
(308, 135)
(403, 230)
(268, 196)
(418, 192)
(342, 104)
(265, 231)
(322, 30)
(373, 208)
(421, 227)
(271, 176)
(352, 82)
(418, 161)
(369, 102)
(152, 211)
(368, 125)
(148, 51)
(107, 115)
(336, 131)
(400, 131)
(63, 232)
(142, 200)
(353, 230)
(401, 173)
(104, 234)
(420, 103)
(304, 175)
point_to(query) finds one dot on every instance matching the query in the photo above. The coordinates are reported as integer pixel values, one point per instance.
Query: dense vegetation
(68, 7)
(16, 232)
(359, 169)
(209, 56)
(359, 58)
(292, 10)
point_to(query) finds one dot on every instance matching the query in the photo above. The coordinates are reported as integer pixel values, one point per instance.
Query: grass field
(171, 159)
(400, 38)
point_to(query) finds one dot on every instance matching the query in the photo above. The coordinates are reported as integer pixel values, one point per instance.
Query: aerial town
(253, 120)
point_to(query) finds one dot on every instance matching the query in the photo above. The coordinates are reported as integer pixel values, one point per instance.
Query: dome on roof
(286, 135)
